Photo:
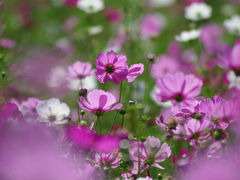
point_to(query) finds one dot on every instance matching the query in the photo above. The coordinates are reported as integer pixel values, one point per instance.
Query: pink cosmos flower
(151, 26)
(80, 70)
(113, 67)
(219, 111)
(88, 139)
(7, 43)
(166, 121)
(99, 101)
(134, 71)
(112, 14)
(30, 104)
(165, 64)
(71, 2)
(178, 88)
(152, 152)
(10, 114)
(107, 160)
(230, 60)
(195, 131)
(210, 36)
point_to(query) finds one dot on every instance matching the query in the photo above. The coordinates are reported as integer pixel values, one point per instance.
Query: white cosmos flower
(52, 111)
(198, 11)
(233, 25)
(234, 80)
(91, 6)
(188, 35)
(57, 77)
(161, 3)
(95, 30)
(89, 83)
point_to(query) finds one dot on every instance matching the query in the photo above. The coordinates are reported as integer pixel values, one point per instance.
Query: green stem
(121, 85)
(114, 119)
(122, 120)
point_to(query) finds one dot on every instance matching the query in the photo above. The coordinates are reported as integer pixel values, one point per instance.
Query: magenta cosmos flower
(99, 101)
(113, 67)
(80, 70)
(178, 88)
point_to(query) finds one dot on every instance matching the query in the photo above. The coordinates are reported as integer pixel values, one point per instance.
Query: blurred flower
(212, 168)
(230, 58)
(95, 30)
(10, 115)
(151, 26)
(151, 152)
(198, 11)
(7, 43)
(89, 83)
(30, 105)
(57, 76)
(233, 25)
(210, 36)
(99, 101)
(71, 2)
(30, 152)
(233, 79)
(52, 111)
(188, 35)
(88, 139)
(159, 3)
(107, 160)
(117, 42)
(80, 70)
(165, 64)
(90, 6)
(112, 14)
(178, 88)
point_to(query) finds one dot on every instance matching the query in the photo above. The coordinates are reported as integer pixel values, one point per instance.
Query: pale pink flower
(80, 70)
(107, 160)
(178, 88)
(99, 101)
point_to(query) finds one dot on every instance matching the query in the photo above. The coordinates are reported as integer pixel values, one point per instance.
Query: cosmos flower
(198, 11)
(107, 160)
(99, 101)
(188, 35)
(159, 3)
(90, 6)
(52, 111)
(165, 64)
(88, 139)
(195, 131)
(30, 104)
(151, 151)
(113, 15)
(178, 88)
(113, 67)
(233, 25)
(230, 59)
(151, 26)
(80, 70)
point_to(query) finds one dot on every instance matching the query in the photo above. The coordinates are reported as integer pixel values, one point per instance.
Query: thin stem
(114, 119)
(81, 83)
(122, 120)
(99, 124)
(96, 123)
(120, 95)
